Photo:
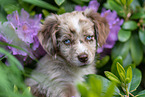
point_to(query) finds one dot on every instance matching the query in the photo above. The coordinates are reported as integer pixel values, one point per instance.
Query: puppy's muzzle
(83, 58)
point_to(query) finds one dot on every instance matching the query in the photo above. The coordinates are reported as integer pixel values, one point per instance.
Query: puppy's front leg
(70, 91)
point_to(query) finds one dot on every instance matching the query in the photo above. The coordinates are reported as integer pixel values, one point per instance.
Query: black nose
(83, 58)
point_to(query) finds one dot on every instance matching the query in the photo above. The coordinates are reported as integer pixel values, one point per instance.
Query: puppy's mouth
(84, 64)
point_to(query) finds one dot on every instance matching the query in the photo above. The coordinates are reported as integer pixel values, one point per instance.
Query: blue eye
(88, 38)
(67, 42)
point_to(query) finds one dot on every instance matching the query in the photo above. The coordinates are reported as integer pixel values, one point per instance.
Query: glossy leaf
(114, 67)
(42, 4)
(141, 94)
(123, 2)
(136, 49)
(124, 35)
(136, 79)
(112, 77)
(61, 10)
(85, 0)
(129, 25)
(120, 49)
(138, 15)
(128, 60)
(96, 85)
(45, 12)
(129, 74)
(118, 1)
(135, 4)
(82, 89)
(102, 62)
(11, 7)
(129, 2)
(27, 90)
(105, 83)
(116, 7)
(121, 71)
(142, 36)
(12, 58)
(15, 89)
(59, 2)
(110, 90)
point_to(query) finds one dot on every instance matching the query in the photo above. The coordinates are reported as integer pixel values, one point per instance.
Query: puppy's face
(76, 39)
(73, 36)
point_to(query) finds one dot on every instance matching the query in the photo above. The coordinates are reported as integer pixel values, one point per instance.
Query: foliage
(11, 80)
(124, 82)
(97, 86)
(131, 36)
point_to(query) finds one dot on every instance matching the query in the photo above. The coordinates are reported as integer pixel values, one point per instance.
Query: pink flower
(114, 24)
(21, 30)
(93, 4)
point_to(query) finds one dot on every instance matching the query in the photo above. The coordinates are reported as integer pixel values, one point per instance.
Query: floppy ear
(47, 34)
(101, 25)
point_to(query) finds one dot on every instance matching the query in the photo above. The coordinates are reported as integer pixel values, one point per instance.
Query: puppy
(70, 42)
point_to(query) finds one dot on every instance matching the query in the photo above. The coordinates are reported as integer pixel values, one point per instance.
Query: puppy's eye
(67, 42)
(89, 38)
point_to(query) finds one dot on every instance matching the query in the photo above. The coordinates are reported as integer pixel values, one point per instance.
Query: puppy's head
(74, 36)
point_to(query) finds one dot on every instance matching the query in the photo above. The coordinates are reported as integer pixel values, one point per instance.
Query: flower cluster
(113, 21)
(92, 4)
(21, 30)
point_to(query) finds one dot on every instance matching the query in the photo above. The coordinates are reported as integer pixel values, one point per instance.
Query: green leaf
(42, 4)
(136, 49)
(138, 15)
(116, 7)
(45, 12)
(12, 58)
(96, 85)
(11, 7)
(121, 71)
(15, 89)
(129, 74)
(129, 25)
(120, 49)
(61, 10)
(91, 94)
(124, 35)
(127, 61)
(141, 94)
(85, 0)
(123, 2)
(59, 2)
(118, 1)
(136, 79)
(135, 4)
(27, 90)
(3, 15)
(112, 77)
(105, 83)
(68, 6)
(110, 90)
(142, 36)
(82, 89)
(114, 67)
(102, 62)
(78, 2)
(129, 2)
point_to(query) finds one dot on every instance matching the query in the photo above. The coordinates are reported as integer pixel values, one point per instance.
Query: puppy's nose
(83, 58)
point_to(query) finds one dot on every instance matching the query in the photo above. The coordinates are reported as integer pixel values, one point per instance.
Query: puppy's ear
(47, 34)
(101, 25)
